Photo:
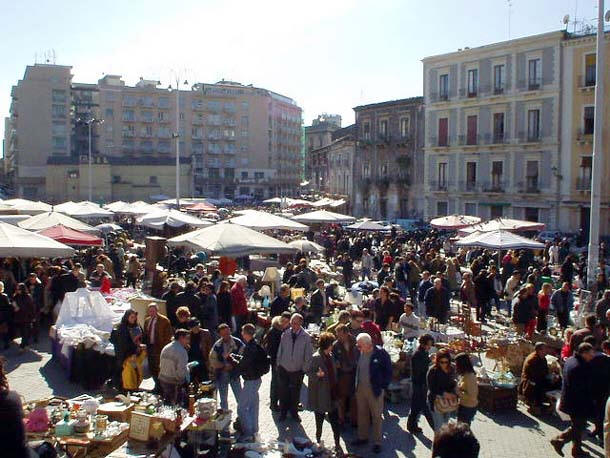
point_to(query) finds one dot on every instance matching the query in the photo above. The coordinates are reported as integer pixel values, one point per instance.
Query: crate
(492, 398)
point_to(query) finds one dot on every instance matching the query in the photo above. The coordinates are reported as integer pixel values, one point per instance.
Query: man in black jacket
(420, 362)
(171, 303)
(282, 302)
(188, 298)
(576, 399)
(271, 343)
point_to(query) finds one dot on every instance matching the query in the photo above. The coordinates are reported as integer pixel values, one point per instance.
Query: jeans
(440, 419)
(466, 414)
(247, 407)
(223, 380)
(366, 273)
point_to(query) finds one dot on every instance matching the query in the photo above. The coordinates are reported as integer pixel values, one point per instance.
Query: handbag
(443, 404)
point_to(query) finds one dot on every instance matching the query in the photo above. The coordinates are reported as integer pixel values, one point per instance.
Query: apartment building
(492, 130)
(318, 135)
(388, 160)
(577, 120)
(239, 140)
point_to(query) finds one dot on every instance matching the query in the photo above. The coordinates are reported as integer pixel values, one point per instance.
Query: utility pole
(597, 160)
(177, 135)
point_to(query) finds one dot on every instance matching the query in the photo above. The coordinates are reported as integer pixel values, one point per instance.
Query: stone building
(318, 135)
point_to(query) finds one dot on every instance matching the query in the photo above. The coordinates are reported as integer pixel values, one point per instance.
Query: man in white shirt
(367, 264)
(409, 322)
(554, 253)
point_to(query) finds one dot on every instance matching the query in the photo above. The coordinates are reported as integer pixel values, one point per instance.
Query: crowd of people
(405, 279)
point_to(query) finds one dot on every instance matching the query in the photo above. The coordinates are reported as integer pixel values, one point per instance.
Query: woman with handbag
(468, 388)
(442, 386)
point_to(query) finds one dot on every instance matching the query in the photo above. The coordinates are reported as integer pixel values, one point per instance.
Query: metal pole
(90, 161)
(178, 143)
(597, 160)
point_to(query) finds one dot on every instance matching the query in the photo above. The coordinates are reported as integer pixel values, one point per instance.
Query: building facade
(492, 130)
(240, 140)
(577, 119)
(317, 136)
(388, 160)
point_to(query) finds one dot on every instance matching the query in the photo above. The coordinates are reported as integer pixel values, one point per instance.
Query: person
(251, 363)
(607, 428)
(601, 308)
(483, 293)
(223, 301)
(576, 399)
(383, 274)
(171, 303)
(225, 373)
(157, 334)
(511, 288)
(420, 362)
(522, 311)
(600, 383)
(366, 264)
(544, 304)
(12, 433)
(134, 269)
(468, 389)
(383, 310)
(355, 326)
(271, 343)
(373, 375)
(25, 313)
(346, 356)
(96, 277)
(173, 366)
(288, 273)
(318, 303)
(7, 314)
(343, 318)
(409, 322)
(323, 388)
(282, 302)
(562, 301)
(467, 291)
(590, 329)
(208, 307)
(347, 269)
(566, 350)
(239, 303)
(371, 328)
(188, 298)
(424, 285)
(201, 342)
(441, 385)
(127, 343)
(293, 359)
(36, 290)
(455, 440)
(535, 378)
(436, 300)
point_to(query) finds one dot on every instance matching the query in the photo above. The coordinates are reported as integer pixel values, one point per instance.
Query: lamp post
(597, 159)
(89, 123)
(177, 137)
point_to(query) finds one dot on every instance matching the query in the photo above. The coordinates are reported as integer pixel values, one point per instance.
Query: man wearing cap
(157, 334)
(201, 344)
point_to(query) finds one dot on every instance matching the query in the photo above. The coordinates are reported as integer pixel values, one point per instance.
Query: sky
(328, 55)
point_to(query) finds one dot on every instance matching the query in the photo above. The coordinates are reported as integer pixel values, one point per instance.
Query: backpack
(263, 362)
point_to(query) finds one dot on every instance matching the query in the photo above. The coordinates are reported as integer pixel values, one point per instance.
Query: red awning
(69, 236)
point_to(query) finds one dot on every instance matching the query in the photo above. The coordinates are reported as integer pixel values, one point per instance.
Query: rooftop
(409, 101)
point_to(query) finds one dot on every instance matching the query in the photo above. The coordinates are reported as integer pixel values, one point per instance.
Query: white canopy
(230, 240)
(50, 219)
(18, 242)
(136, 208)
(83, 209)
(259, 220)
(504, 224)
(452, 222)
(173, 218)
(14, 219)
(323, 216)
(499, 240)
(328, 202)
(108, 227)
(28, 206)
(306, 246)
(368, 226)
(114, 206)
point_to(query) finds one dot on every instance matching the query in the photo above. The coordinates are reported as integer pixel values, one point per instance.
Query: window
(531, 176)
(129, 131)
(533, 74)
(116, 179)
(196, 132)
(498, 128)
(163, 132)
(213, 172)
(196, 104)
(244, 133)
(152, 180)
(404, 127)
(229, 107)
(441, 209)
(244, 175)
(147, 116)
(497, 169)
(230, 173)
(589, 120)
(244, 121)
(164, 146)
(470, 209)
(58, 96)
(590, 70)
(146, 146)
(109, 113)
(59, 129)
(366, 130)
(129, 115)
(213, 105)
(147, 131)
(442, 176)
(533, 125)
(59, 143)
(259, 175)
(181, 116)
(471, 133)
(443, 127)
(383, 129)
(496, 211)
(162, 116)
(130, 101)
(58, 111)
(146, 101)
(473, 82)
(366, 170)
(584, 178)
(244, 105)
(443, 87)
(531, 214)
(471, 176)
(163, 102)
(499, 79)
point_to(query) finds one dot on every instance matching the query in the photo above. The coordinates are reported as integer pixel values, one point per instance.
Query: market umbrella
(259, 220)
(108, 227)
(85, 209)
(136, 208)
(50, 219)
(505, 224)
(28, 206)
(306, 246)
(18, 242)
(173, 218)
(70, 236)
(499, 240)
(453, 222)
(114, 206)
(230, 240)
(367, 226)
(323, 216)
(202, 207)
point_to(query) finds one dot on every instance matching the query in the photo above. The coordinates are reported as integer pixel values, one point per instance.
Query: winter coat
(320, 398)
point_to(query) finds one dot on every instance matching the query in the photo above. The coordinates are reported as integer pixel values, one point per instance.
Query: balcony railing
(533, 84)
(494, 186)
(583, 183)
(531, 186)
(586, 81)
(469, 140)
(441, 186)
(469, 186)
(439, 142)
(529, 137)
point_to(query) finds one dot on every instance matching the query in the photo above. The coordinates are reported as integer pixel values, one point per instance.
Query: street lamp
(176, 135)
(89, 123)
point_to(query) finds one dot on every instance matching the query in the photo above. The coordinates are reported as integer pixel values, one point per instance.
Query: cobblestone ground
(517, 434)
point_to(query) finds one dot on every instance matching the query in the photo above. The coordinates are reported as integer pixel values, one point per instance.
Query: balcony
(438, 186)
(531, 186)
(498, 90)
(583, 184)
(146, 120)
(534, 84)
(495, 186)
(529, 137)
(439, 142)
(497, 138)
(469, 186)
(469, 140)
(587, 82)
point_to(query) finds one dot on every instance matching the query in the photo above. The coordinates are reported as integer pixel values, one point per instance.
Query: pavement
(34, 375)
